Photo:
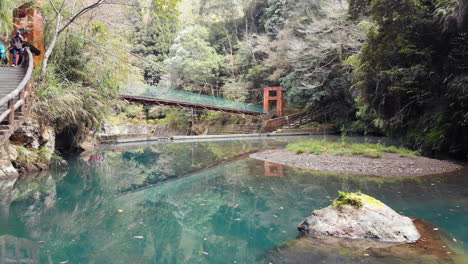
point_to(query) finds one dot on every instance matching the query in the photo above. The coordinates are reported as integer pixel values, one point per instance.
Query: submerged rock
(433, 248)
(359, 216)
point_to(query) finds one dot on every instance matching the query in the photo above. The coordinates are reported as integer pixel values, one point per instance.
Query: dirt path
(390, 165)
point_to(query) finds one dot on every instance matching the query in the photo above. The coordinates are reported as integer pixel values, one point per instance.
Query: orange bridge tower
(273, 99)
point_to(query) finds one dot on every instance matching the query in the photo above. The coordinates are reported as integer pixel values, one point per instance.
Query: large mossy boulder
(359, 216)
(357, 228)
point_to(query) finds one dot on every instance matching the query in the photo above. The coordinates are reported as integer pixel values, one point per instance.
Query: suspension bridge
(191, 100)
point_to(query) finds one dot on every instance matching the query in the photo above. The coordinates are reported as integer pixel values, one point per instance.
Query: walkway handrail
(24, 90)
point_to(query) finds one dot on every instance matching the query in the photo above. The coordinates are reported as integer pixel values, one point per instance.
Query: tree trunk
(462, 16)
(51, 46)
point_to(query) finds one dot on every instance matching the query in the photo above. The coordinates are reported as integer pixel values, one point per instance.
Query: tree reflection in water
(233, 211)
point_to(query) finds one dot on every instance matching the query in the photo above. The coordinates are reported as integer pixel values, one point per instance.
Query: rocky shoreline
(390, 165)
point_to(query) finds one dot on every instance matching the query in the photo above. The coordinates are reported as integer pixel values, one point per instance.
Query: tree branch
(79, 14)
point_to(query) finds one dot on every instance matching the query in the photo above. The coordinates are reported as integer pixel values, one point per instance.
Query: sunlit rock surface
(370, 220)
(7, 154)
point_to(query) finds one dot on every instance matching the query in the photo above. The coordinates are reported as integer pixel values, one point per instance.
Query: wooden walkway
(10, 78)
(16, 86)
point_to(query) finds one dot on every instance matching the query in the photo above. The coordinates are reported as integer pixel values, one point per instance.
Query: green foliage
(193, 64)
(404, 75)
(343, 148)
(275, 16)
(5, 17)
(176, 118)
(346, 198)
(358, 8)
(235, 90)
(220, 118)
(155, 28)
(445, 8)
(26, 156)
(82, 79)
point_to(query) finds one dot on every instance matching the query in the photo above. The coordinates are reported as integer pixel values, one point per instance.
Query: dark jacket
(17, 42)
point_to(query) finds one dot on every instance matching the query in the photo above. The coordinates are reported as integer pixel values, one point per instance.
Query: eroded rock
(27, 135)
(360, 216)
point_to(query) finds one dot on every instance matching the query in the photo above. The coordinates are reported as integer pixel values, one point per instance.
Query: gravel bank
(390, 165)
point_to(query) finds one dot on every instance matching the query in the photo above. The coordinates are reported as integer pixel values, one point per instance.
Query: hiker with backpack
(17, 47)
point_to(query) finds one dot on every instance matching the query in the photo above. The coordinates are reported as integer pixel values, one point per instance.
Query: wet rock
(360, 216)
(433, 249)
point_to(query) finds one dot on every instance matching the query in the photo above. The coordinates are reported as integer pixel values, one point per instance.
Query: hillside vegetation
(384, 67)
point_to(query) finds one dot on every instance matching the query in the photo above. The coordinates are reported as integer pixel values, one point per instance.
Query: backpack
(2, 51)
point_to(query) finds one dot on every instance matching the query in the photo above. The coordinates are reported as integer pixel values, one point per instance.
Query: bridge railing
(176, 96)
(18, 100)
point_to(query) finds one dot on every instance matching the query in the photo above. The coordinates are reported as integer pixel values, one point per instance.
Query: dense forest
(383, 67)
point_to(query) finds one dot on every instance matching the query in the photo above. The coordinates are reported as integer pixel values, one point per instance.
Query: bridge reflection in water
(18, 250)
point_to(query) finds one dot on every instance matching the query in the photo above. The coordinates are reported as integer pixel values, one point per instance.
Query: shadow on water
(230, 209)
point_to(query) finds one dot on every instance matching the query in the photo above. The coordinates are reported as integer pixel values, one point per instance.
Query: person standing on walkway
(17, 47)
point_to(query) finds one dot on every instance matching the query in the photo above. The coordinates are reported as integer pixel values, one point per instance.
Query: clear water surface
(194, 202)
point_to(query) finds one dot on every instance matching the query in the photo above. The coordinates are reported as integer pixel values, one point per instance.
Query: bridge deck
(10, 78)
(192, 100)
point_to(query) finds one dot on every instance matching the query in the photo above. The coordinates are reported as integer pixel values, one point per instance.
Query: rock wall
(30, 149)
(7, 154)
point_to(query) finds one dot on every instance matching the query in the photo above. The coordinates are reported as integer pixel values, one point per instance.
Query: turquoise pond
(195, 202)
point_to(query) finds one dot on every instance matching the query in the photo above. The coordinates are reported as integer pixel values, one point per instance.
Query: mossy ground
(318, 147)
